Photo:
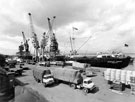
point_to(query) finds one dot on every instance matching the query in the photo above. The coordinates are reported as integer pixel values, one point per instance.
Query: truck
(43, 75)
(32, 62)
(11, 67)
(44, 63)
(73, 78)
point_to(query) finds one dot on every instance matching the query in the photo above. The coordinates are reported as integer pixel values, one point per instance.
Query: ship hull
(104, 62)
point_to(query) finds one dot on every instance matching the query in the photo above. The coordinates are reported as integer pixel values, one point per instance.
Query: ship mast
(72, 41)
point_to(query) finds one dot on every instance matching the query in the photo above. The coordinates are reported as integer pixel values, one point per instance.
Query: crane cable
(84, 43)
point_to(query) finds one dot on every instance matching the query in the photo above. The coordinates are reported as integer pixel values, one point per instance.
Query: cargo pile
(123, 77)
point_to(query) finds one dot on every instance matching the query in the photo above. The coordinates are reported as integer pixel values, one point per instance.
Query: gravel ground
(63, 93)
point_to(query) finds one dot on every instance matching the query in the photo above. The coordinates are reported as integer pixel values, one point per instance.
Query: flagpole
(73, 40)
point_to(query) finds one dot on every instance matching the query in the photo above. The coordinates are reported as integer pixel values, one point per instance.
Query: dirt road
(63, 93)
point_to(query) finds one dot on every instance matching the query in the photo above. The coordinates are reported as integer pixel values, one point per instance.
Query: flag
(74, 28)
(126, 45)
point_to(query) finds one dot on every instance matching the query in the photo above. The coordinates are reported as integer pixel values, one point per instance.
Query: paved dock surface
(64, 93)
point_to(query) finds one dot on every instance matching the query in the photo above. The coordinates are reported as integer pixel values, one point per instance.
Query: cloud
(110, 22)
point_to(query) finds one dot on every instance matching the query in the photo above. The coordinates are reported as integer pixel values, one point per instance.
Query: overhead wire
(84, 43)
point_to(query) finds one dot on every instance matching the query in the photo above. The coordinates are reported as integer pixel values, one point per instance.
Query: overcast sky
(110, 23)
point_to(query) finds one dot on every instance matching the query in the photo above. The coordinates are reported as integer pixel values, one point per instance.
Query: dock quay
(60, 92)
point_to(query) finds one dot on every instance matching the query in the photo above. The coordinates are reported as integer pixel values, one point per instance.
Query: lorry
(73, 78)
(44, 63)
(43, 75)
(11, 67)
(123, 77)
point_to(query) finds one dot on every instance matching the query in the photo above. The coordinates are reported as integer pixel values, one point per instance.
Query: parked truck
(73, 78)
(43, 75)
(11, 67)
(44, 63)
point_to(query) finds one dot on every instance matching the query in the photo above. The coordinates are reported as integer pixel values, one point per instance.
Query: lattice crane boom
(34, 37)
(24, 38)
(31, 24)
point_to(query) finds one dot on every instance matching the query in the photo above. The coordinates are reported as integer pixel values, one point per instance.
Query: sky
(103, 25)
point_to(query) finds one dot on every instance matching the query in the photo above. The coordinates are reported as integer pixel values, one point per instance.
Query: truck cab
(88, 85)
(48, 80)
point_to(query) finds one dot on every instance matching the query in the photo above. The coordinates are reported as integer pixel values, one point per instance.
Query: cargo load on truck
(43, 75)
(73, 78)
(83, 67)
(68, 75)
(80, 66)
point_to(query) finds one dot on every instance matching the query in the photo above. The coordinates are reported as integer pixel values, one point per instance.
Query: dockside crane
(25, 41)
(43, 44)
(52, 45)
(27, 54)
(34, 38)
(50, 24)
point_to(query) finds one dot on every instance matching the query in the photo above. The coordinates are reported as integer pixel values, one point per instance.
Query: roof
(87, 79)
(48, 75)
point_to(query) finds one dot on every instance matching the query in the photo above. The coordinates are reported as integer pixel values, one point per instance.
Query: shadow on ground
(25, 94)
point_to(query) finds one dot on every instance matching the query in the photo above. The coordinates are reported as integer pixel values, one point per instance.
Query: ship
(107, 60)
(116, 61)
